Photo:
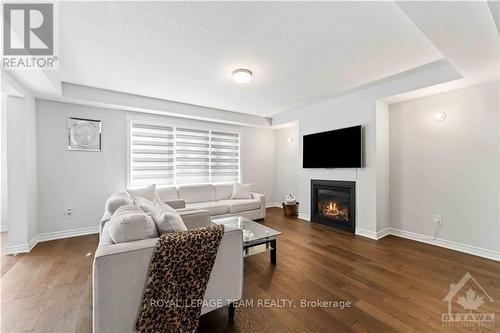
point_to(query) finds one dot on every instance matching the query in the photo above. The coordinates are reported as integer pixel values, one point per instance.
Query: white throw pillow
(146, 193)
(242, 191)
(144, 204)
(116, 200)
(166, 218)
(130, 223)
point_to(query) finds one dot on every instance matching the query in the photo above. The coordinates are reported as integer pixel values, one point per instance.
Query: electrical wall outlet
(69, 212)
(438, 219)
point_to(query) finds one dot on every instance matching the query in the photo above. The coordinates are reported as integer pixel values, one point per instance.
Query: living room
(324, 166)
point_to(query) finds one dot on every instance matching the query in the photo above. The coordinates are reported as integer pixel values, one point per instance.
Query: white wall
(21, 172)
(84, 180)
(258, 151)
(119, 100)
(30, 131)
(16, 151)
(287, 163)
(449, 168)
(383, 165)
(81, 181)
(3, 165)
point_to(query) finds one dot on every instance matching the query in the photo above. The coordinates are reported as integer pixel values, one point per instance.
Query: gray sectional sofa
(120, 274)
(214, 198)
(120, 271)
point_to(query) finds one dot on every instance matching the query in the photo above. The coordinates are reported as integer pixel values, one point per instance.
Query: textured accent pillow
(167, 193)
(242, 191)
(130, 223)
(166, 218)
(116, 200)
(146, 193)
(144, 204)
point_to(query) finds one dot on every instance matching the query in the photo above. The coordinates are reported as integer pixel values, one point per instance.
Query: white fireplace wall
(359, 107)
(342, 112)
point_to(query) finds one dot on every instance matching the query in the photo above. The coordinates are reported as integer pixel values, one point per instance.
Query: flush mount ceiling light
(242, 75)
(440, 116)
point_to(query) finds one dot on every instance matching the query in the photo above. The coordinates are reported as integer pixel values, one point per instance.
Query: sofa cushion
(115, 201)
(167, 193)
(223, 191)
(166, 218)
(144, 204)
(213, 207)
(105, 238)
(241, 205)
(242, 191)
(176, 204)
(197, 193)
(146, 192)
(130, 223)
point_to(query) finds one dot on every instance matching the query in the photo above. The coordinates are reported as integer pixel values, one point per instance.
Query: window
(171, 155)
(152, 155)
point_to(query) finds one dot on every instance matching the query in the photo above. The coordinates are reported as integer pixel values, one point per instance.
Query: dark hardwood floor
(394, 285)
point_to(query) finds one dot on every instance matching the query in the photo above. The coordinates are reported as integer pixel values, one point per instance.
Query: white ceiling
(465, 33)
(179, 51)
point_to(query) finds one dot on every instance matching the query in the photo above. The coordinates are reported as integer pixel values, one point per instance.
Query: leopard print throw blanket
(178, 276)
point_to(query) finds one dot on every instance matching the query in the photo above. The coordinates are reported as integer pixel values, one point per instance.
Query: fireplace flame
(331, 210)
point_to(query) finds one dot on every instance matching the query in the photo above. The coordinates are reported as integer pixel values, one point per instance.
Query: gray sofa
(214, 198)
(120, 273)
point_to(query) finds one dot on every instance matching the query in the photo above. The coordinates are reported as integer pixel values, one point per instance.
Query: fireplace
(334, 203)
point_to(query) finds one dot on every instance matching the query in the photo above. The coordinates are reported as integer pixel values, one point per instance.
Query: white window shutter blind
(152, 155)
(224, 157)
(192, 155)
(169, 155)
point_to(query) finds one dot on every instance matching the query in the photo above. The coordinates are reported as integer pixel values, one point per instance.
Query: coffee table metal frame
(247, 224)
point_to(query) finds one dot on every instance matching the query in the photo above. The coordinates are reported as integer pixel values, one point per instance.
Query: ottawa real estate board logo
(29, 36)
(470, 297)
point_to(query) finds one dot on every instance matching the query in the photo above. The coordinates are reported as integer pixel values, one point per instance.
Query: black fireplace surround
(334, 203)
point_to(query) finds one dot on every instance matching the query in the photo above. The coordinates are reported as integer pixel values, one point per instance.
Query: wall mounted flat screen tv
(340, 148)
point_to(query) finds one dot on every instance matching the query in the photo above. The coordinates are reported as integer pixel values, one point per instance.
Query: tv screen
(333, 149)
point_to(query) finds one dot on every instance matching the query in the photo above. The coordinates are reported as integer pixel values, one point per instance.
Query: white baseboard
(465, 248)
(409, 235)
(67, 233)
(384, 232)
(4, 228)
(273, 204)
(305, 217)
(24, 248)
(470, 249)
(371, 234)
(460, 247)
(366, 233)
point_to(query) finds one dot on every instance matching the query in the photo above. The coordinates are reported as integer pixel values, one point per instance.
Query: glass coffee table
(254, 235)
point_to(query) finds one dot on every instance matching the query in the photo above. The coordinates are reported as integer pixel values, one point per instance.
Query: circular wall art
(84, 134)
